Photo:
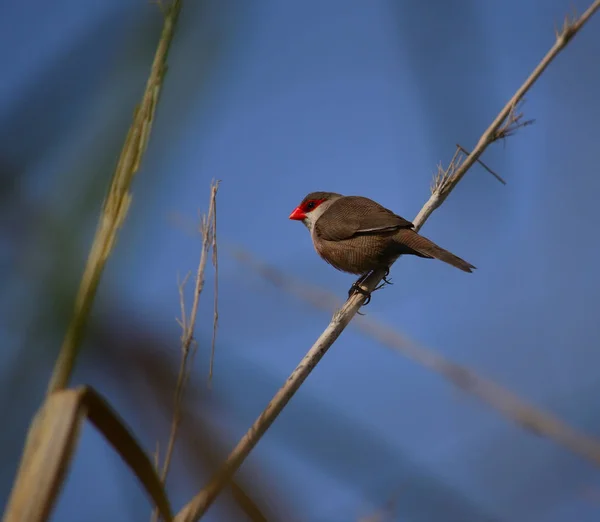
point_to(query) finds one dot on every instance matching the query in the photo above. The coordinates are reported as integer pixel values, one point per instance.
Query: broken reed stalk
(116, 204)
(188, 324)
(505, 123)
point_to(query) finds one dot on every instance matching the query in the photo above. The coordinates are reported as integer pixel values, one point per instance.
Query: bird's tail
(423, 247)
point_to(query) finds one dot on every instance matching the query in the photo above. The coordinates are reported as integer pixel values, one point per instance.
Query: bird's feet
(357, 289)
(386, 281)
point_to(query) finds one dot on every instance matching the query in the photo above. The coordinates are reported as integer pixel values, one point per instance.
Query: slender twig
(497, 176)
(503, 125)
(192, 511)
(215, 261)
(504, 401)
(188, 324)
(512, 123)
(116, 205)
(182, 322)
(443, 174)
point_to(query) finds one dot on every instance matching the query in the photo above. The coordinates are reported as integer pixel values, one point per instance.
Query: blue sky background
(278, 99)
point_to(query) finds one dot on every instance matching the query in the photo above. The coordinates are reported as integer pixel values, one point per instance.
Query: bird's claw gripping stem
(357, 289)
(386, 281)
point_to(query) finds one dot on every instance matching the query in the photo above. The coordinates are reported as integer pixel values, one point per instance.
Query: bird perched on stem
(357, 235)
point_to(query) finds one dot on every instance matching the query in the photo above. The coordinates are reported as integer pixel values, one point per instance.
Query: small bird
(357, 235)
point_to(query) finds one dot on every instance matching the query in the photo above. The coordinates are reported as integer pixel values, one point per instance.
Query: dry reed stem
(188, 325)
(504, 401)
(194, 510)
(508, 120)
(215, 262)
(116, 204)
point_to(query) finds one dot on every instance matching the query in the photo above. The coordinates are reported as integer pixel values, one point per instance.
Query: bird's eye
(310, 205)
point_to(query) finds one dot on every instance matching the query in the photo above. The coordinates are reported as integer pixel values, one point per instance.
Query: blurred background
(278, 99)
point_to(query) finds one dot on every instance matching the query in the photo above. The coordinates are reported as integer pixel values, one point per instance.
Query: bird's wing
(351, 216)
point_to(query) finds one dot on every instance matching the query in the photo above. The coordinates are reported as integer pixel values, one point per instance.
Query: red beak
(297, 214)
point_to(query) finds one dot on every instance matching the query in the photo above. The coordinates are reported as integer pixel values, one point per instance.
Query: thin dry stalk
(508, 120)
(512, 123)
(215, 261)
(140, 371)
(116, 204)
(504, 401)
(188, 324)
(194, 510)
(497, 176)
(443, 174)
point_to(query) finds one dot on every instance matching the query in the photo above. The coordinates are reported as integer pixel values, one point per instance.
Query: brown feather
(423, 247)
(356, 235)
(352, 215)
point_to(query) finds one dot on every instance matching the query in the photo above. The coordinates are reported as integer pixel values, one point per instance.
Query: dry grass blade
(116, 433)
(116, 204)
(504, 401)
(48, 450)
(111, 219)
(200, 503)
(51, 445)
(188, 324)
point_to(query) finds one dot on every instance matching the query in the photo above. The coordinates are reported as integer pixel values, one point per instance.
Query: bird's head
(312, 207)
